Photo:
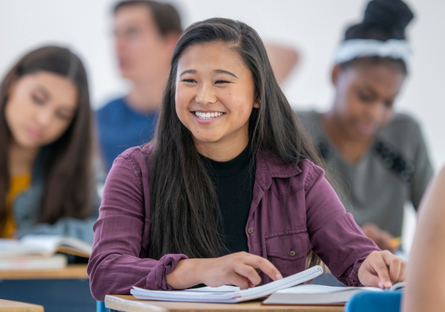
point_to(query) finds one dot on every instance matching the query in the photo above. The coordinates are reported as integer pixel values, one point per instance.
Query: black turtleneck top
(233, 181)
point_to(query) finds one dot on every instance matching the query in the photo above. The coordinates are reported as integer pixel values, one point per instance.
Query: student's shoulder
(112, 107)
(135, 158)
(402, 130)
(304, 172)
(310, 115)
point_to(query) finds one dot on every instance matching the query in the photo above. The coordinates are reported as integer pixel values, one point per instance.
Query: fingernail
(278, 276)
(380, 285)
(388, 284)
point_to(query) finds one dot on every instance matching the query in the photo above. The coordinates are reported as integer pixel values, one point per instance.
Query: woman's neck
(222, 151)
(146, 96)
(21, 159)
(352, 148)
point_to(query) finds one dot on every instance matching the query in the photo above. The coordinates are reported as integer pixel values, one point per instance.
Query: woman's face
(364, 97)
(40, 108)
(215, 95)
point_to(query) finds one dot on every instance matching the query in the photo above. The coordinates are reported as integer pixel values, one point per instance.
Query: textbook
(320, 294)
(58, 261)
(227, 294)
(43, 246)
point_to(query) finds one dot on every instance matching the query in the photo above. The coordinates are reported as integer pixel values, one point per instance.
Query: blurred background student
(425, 287)
(47, 183)
(378, 157)
(145, 34)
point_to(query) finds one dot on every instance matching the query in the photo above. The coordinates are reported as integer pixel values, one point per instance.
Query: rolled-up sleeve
(335, 237)
(120, 234)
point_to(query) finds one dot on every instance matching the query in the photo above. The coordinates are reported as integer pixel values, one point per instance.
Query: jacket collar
(269, 166)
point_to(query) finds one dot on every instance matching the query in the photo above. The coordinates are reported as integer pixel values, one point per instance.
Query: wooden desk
(128, 303)
(72, 271)
(15, 306)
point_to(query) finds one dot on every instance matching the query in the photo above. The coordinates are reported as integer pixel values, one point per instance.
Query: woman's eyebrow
(188, 71)
(222, 71)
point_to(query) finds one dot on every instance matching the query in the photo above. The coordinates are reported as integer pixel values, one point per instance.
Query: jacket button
(250, 230)
(292, 253)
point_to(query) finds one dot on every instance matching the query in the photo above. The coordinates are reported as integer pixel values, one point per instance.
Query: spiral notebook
(227, 294)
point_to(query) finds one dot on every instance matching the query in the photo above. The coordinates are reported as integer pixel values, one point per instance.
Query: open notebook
(39, 252)
(320, 294)
(227, 294)
(43, 246)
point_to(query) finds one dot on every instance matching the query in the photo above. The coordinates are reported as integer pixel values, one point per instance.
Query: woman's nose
(44, 116)
(205, 94)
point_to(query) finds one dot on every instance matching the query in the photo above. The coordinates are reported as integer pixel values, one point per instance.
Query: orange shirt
(17, 185)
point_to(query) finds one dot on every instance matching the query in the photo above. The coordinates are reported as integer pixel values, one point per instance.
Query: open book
(39, 252)
(227, 294)
(320, 294)
(44, 246)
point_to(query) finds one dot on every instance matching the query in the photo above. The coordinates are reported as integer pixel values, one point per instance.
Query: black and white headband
(358, 48)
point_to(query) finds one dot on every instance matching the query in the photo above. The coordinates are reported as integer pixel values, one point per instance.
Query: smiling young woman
(378, 157)
(47, 181)
(229, 185)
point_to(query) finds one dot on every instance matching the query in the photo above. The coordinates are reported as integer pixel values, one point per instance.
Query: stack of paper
(227, 294)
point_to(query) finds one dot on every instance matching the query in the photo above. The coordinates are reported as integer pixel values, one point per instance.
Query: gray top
(396, 169)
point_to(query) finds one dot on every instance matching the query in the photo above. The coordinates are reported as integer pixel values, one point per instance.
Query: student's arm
(423, 169)
(426, 274)
(283, 59)
(121, 236)
(339, 241)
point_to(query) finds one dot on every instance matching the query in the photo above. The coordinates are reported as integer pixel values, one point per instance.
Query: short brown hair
(165, 15)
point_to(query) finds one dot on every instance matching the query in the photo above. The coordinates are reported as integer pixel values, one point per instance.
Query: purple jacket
(316, 220)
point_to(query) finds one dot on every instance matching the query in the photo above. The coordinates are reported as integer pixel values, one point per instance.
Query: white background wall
(314, 27)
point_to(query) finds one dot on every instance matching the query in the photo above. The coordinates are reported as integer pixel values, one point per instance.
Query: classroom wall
(313, 27)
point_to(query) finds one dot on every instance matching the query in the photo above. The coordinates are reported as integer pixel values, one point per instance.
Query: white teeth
(202, 115)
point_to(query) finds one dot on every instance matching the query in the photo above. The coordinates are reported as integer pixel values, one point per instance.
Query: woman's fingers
(265, 266)
(396, 267)
(249, 273)
(382, 269)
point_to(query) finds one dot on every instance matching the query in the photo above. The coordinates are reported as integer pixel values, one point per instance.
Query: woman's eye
(37, 99)
(189, 80)
(365, 98)
(221, 81)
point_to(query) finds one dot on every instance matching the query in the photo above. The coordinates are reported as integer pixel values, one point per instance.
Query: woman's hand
(383, 239)
(381, 269)
(238, 269)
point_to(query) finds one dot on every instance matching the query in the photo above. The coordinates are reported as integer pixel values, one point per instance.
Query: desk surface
(15, 306)
(128, 303)
(72, 271)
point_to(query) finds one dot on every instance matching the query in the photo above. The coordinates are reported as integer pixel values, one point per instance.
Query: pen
(395, 242)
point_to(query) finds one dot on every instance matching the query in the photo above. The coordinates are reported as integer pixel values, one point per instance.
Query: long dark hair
(67, 172)
(182, 197)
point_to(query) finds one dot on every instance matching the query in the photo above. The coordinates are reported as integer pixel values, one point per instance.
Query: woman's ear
(335, 73)
(257, 103)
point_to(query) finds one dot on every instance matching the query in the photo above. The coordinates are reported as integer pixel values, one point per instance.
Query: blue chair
(370, 301)
(100, 307)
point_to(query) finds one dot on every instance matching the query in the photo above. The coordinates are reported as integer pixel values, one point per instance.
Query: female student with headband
(378, 157)
(229, 184)
(47, 184)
